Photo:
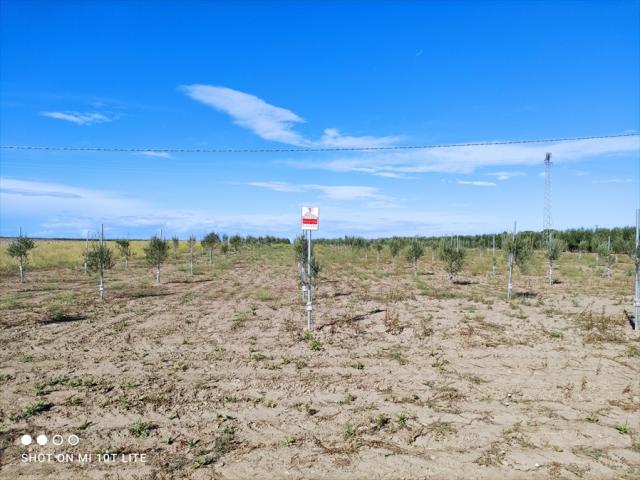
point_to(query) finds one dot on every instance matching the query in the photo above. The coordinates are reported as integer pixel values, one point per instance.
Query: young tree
(224, 248)
(453, 259)
(583, 246)
(552, 250)
(19, 248)
(192, 244)
(235, 241)
(300, 247)
(176, 244)
(156, 252)
(99, 259)
(209, 241)
(378, 245)
(518, 251)
(604, 251)
(124, 248)
(394, 247)
(414, 252)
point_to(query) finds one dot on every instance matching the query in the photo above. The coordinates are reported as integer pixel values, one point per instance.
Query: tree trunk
(550, 273)
(101, 287)
(21, 271)
(210, 255)
(158, 275)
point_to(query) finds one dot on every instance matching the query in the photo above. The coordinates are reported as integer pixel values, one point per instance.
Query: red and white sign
(310, 218)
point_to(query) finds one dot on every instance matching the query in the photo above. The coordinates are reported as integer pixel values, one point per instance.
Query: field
(403, 376)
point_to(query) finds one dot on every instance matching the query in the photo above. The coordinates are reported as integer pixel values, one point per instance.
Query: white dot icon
(57, 439)
(42, 439)
(73, 440)
(26, 439)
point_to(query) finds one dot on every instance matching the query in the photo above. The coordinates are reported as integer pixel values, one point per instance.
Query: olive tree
(552, 250)
(414, 252)
(394, 247)
(19, 248)
(99, 259)
(156, 253)
(176, 244)
(209, 241)
(604, 252)
(300, 247)
(453, 258)
(518, 249)
(192, 244)
(235, 241)
(124, 247)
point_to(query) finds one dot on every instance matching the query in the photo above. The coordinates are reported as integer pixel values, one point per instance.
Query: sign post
(310, 222)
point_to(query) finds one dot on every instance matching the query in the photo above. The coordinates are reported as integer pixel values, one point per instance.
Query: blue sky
(316, 74)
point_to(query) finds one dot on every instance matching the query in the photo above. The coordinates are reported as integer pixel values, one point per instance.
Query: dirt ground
(212, 376)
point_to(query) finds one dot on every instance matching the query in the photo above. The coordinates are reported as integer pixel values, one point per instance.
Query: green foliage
(124, 247)
(414, 252)
(553, 249)
(176, 243)
(210, 240)
(300, 248)
(100, 257)
(453, 259)
(19, 248)
(395, 245)
(156, 251)
(235, 241)
(521, 248)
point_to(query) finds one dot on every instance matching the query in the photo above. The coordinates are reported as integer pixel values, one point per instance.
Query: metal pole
(510, 284)
(309, 301)
(101, 288)
(636, 319)
(494, 254)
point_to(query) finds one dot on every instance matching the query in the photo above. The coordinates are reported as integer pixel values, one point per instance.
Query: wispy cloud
(274, 123)
(469, 159)
(79, 118)
(265, 120)
(614, 180)
(505, 175)
(156, 154)
(333, 192)
(476, 183)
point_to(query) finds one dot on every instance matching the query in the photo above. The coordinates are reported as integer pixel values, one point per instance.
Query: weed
(593, 418)
(288, 441)
(31, 410)
(142, 429)
(358, 365)
(622, 428)
(402, 418)
(24, 357)
(315, 345)
(349, 431)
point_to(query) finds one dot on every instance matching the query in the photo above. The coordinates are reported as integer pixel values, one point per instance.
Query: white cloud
(476, 183)
(469, 159)
(265, 120)
(274, 123)
(156, 154)
(333, 192)
(614, 180)
(505, 175)
(79, 118)
(333, 138)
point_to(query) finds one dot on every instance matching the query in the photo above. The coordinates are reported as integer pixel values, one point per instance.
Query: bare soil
(212, 376)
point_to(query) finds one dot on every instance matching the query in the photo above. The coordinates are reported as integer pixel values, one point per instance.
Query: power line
(302, 150)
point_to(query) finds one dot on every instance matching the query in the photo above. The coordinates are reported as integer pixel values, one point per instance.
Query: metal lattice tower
(546, 222)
